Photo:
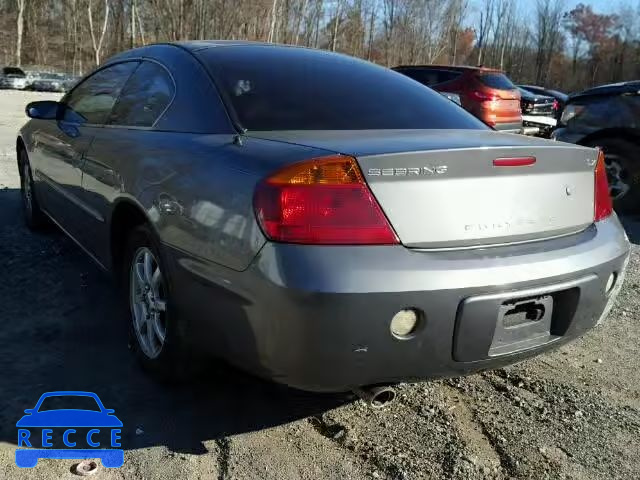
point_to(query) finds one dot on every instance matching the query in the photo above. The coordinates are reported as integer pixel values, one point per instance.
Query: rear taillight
(603, 205)
(482, 96)
(323, 201)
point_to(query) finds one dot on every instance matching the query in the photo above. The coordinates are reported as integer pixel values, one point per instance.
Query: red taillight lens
(482, 96)
(603, 205)
(323, 201)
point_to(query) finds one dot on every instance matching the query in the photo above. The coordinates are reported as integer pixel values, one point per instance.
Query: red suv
(485, 92)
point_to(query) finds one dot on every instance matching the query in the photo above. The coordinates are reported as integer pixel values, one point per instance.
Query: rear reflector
(603, 206)
(323, 201)
(514, 162)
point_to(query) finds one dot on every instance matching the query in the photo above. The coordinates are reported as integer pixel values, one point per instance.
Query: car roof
(197, 45)
(460, 68)
(611, 89)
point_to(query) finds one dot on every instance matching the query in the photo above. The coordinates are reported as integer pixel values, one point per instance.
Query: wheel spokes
(158, 329)
(139, 268)
(147, 303)
(148, 266)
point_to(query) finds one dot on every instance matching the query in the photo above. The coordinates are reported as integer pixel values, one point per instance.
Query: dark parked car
(538, 115)
(486, 93)
(49, 82)
(609, 117)
(559, 97)
(535, 104)
(317, 219)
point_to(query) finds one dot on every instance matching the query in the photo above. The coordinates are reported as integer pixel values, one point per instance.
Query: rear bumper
(317, 318)
(514, 127)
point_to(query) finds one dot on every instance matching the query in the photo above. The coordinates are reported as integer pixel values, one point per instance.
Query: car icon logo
(69, 424)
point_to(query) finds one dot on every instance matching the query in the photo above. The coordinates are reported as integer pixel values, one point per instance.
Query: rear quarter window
(498, 81)
(285, 88)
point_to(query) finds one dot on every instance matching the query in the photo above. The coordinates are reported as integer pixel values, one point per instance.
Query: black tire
(170, 363)
(34, 217)
(623, 172)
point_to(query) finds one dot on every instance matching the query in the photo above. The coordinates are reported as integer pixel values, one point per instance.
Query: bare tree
(97, 45)
(272, 28)
(548, 16)
(336, 25)
(484, 27)
(19, 28)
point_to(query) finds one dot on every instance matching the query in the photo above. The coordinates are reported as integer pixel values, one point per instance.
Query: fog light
(404, 323)
(611, 282)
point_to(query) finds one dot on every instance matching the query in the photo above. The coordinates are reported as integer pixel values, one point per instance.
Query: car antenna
(237, 138)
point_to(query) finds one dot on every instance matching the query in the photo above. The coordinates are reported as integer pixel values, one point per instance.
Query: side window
(92, 100)
(144, 97)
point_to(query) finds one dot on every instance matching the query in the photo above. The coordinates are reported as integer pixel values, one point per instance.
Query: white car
(15, 82)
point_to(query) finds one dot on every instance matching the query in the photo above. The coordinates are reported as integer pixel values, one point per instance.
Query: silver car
(319, 220)
(14, 82)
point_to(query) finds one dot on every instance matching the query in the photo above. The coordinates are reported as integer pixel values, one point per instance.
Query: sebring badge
(408, 171)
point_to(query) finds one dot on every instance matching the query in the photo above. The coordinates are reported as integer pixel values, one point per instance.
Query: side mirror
(29, 411)
(109, 411)
(44, 110)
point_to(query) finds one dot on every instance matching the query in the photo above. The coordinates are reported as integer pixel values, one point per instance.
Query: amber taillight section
(322, 201)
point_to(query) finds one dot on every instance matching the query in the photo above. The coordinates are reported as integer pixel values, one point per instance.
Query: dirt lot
(574, 413)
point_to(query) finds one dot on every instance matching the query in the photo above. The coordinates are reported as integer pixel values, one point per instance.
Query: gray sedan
(319, 220)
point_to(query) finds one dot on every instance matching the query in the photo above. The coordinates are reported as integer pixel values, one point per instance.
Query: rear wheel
(623, 173)
(146, 288)
(33, 215)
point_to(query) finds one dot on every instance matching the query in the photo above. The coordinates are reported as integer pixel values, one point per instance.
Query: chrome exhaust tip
(376, 397)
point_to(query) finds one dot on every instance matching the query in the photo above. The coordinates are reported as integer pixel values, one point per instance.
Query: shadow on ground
(63, 329)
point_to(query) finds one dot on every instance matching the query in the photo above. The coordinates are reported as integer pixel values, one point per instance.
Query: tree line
(539, 42)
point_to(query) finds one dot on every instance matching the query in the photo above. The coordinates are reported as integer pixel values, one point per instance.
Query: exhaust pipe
(376, 397)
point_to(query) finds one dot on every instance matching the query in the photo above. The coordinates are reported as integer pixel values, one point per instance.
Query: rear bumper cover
(317, 318)
(515, 127)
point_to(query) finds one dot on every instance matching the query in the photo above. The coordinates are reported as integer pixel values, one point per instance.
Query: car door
(59, 145)
(126, 136)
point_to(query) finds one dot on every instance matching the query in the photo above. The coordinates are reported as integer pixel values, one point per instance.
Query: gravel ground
(573, 413)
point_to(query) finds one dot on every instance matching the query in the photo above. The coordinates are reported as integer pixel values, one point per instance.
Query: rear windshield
(496, 80)
(300, 89)
(13, 71)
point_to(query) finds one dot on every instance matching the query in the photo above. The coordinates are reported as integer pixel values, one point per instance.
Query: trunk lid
(440, 189)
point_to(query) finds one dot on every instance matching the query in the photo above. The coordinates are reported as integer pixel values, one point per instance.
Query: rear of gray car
(324, 222)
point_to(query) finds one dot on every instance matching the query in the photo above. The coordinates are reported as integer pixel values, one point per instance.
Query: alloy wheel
(148, 303)
(27, 192)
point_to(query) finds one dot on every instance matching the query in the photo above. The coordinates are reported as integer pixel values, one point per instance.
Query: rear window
(13, 71)
(496, 80)
(429, 77)
(300, 89)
